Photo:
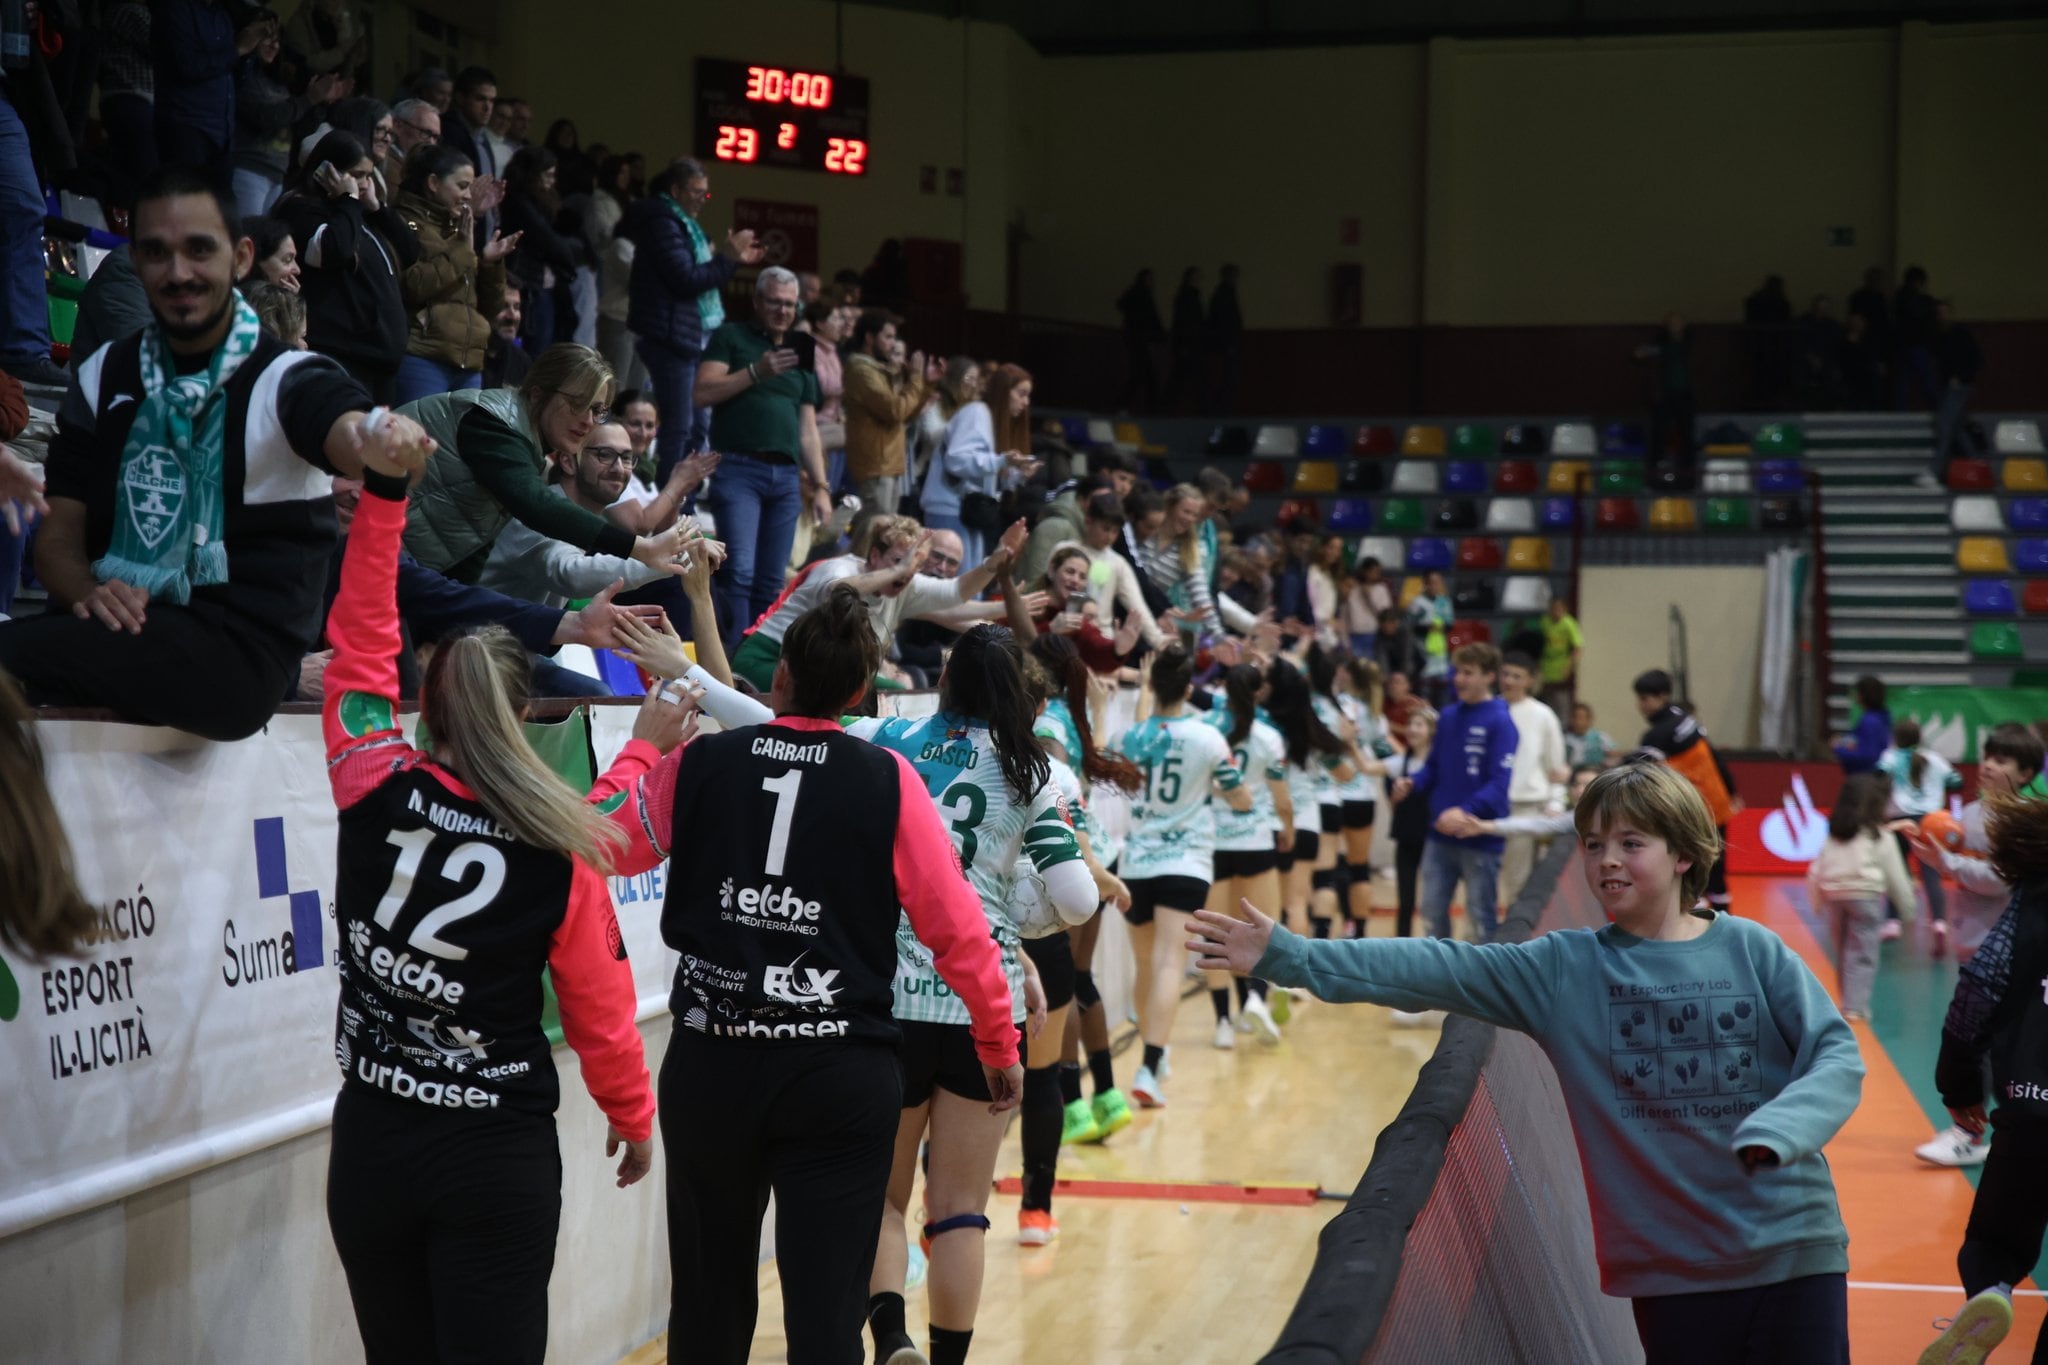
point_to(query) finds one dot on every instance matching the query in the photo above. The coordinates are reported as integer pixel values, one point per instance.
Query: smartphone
(1077, 603)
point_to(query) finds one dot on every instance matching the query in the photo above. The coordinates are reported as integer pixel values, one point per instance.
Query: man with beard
(525, 563)
(191, 509)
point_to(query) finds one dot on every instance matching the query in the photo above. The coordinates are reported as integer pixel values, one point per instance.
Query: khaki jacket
(449, 295)
(879, 401)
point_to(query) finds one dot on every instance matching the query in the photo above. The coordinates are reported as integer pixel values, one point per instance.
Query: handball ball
(1943, 829)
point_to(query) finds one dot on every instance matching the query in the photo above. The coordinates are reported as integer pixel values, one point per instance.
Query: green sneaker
(1080, 1125)
(1971, 1334)
(1278, 1001)
(1112, 1113)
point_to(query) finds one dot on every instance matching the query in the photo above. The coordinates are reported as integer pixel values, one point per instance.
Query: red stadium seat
(1969, 476)
(1617, 514)
(1464, 633)
(2034, 597)
(1479, 552)
(1266, 476)
(1515, 476)
(1375, 441)
(1298, 509)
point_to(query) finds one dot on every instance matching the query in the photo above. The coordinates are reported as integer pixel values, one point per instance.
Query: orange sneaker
(1035, 1228)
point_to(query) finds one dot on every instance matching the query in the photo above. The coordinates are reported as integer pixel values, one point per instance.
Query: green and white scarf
(710, 307)
(169, 498)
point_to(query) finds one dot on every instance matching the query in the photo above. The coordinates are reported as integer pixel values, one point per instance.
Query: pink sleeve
(633, 760)
(594, 983)
(946, 913)
(640, 807)
(360, 713)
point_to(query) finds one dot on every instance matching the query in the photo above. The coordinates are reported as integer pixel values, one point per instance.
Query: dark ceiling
(1071, 27)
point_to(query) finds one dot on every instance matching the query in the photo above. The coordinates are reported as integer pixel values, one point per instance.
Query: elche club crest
(156, 486)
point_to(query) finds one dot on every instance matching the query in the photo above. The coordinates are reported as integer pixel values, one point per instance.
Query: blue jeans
(1806, 1320)
(1948, 425)
(757, 504)
(255, 192)
(419, 377)
(1444, 865)
(685, 429)
(24, 301)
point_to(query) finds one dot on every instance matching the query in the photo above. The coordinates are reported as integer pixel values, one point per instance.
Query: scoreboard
(759, 115)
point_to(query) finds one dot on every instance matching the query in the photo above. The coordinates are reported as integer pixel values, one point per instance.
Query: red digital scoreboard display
(754, 114)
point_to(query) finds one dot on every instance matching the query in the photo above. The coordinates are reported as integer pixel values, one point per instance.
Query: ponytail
(475, 691)
(832, 656)
(42, 911)
(984, 680)
(1322, 672)
(1906, 735)
(1173, 675)
(1295, 716)
(1241, 693)
(1069, 679)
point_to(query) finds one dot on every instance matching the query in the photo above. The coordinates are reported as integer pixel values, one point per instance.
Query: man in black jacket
(1957, 361)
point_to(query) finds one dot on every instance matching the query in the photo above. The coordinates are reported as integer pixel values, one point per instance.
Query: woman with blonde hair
(1173, 558)
(494, 446)
(42, 912)
(464, 873)
(987, 448)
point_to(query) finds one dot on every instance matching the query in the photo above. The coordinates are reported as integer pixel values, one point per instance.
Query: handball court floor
(1143, 1271)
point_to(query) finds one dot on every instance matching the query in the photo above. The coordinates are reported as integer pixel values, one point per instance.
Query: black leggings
(814, 1122)
(1794, 1322)
(446, 1224)
(1407, 864)
(2003, 1239)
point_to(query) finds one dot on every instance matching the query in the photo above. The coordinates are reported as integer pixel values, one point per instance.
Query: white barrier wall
(163, 1141)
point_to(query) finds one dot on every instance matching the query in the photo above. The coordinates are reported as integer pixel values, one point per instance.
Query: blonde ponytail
(471, 700)
(42, 912)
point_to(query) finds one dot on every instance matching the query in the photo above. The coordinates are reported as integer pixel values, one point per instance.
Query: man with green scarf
(190, 494)
(673, 300)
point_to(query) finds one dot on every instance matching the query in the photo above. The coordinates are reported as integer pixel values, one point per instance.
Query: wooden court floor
(1148, 1279)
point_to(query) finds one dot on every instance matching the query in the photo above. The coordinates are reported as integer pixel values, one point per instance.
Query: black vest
(444, 922)
(782, 887)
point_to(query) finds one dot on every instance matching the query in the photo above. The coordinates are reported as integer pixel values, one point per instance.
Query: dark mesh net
(1468, 1238)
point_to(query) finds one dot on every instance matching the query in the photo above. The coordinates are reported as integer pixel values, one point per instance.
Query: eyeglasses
(942, 561)
(426, 134)
(600, 413)
(381, 133)
(608, 455)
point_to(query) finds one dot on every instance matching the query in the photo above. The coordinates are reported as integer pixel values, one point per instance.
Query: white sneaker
(1892, 929)
(1147, 1091)
(1417, 1018)
(1226, 1036)
(1260, 1013)
(1953, 1148)
(1166, 1063)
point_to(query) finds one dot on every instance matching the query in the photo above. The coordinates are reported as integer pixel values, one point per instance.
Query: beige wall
(1624, 612)
(1494, 183)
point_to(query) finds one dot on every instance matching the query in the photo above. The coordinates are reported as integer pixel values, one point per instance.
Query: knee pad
(1084, 990)
(954, 1224)
(1323, 879)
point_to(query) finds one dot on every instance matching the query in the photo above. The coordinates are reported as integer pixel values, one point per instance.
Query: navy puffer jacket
(667, 278)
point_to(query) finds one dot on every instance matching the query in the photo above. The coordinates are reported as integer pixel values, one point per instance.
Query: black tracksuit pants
(816, 1124)
(446, 1225)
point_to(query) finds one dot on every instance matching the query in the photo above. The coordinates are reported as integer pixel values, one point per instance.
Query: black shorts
(1248, 862)
(1333, 818)
(1307, 844)
(942, 1057)
(1053, 955)
(1358, 815)
(1175, 893)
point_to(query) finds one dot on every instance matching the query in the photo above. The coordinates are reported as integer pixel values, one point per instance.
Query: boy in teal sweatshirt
(1702, 1063)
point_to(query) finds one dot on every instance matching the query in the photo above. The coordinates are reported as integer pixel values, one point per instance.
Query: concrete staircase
(1894, 596)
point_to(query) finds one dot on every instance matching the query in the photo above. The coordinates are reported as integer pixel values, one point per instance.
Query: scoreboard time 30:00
(759, 115)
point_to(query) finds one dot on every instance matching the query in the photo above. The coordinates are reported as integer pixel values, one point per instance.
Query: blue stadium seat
(1464, 476)
(1560, 514)
(2031, 556)
(1989, 597)
(1350, 515)
(1075, 429)
(1326, 441)
(2027, 514)
(1623, 438)
(1431, 552)
(1780, 476)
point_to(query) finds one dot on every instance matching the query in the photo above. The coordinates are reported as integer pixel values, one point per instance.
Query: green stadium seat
(1401, 514)
(1472, 440)
(1727, 514)
(1618, 478)
(1779, 438)
(1995, 640)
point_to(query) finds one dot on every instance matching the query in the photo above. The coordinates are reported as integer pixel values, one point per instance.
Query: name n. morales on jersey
(457, 821)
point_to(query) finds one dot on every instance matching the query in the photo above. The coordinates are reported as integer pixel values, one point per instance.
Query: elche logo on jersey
(769, 907)
(422, 977)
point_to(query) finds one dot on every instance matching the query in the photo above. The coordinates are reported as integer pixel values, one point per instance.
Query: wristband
(390, 487)
(750, 372)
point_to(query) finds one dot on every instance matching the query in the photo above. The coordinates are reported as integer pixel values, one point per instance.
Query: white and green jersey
(1173, 830)
(1333, 715)
(990, 830)
(1262, 759)
(1030, 906)
(1310, 786)
(1056, 723)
